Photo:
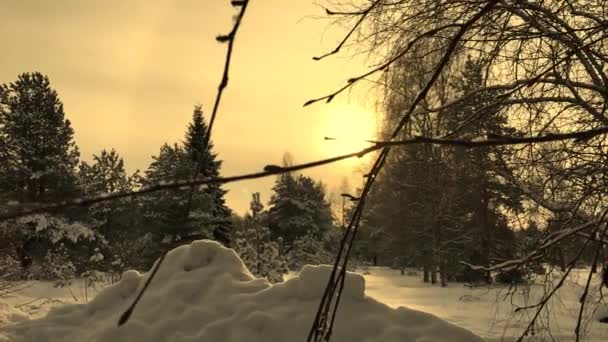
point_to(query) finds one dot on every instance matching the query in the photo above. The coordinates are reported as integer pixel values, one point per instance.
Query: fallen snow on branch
(203, 292)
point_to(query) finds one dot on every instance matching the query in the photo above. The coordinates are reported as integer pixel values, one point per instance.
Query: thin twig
(320, 330)
(363, 14)
(540, 305)
(229, 38)
(127, 314)
(583, 299)
(271, 170)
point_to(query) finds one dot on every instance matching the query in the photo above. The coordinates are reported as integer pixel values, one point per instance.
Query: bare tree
(547, 61)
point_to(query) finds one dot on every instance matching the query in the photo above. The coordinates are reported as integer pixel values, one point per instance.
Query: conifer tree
(186, 214)
(483, 192)
(118, 221)
(255, 247)
(39, 156)
(38, 159)
(297, 208)
(206, 164)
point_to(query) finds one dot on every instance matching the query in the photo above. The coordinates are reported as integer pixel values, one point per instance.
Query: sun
(346, 128)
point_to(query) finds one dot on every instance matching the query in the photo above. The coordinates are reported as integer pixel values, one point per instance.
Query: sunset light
(346, 128)
(303, 170)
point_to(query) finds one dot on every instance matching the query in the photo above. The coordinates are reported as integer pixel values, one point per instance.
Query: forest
(488, 171)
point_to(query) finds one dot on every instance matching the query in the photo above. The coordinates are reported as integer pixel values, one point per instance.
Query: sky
(130, 72)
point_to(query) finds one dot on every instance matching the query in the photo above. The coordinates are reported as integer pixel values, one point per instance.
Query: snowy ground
(203, 292)
(485, 311)
(480, 310)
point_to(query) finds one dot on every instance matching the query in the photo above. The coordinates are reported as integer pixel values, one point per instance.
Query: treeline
(40, 164)
(297, 229)
(435, 208)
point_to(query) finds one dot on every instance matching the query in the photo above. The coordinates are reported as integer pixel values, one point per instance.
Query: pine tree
(483, 191)
(118, 221)
(255, 247)
(298, 208)
(39, 155)
(38, 159)
(197, 212)
(106, 175)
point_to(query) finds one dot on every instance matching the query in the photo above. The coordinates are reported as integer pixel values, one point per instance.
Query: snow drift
(203, 292)
(9, 314)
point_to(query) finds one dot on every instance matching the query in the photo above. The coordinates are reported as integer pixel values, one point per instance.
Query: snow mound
(203, 292)
(9, 314)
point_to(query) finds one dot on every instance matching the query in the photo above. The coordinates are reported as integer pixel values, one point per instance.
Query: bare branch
(271, 170)
(362, 15)
(229, 38)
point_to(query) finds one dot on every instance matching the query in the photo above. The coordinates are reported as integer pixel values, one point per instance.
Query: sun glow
(346, 128)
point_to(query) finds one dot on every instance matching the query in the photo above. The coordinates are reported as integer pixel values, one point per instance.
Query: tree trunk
(485, 228)
(489, 236)
(443, 272)
(561, 259)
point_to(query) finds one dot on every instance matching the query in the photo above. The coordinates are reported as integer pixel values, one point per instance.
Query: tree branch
(363, 14)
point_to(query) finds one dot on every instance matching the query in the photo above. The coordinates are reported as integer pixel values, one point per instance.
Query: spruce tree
(485, 194)
(39, 155)
(297, 208)
(190, 213)
(206, 164)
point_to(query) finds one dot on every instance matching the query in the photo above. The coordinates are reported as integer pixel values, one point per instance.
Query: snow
(61, 229)
(203, 292)
(488, 312)
(10, 314)
(484, 311)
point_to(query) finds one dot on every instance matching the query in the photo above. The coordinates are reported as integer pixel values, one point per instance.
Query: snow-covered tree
(190, 213)
(106, 175)
(309, 250)
(119, 221)
(39, 156)
(205, 164)
(297, 208)
(258, 251)
(52, 245)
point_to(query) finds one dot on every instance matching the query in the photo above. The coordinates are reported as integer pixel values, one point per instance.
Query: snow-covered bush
(308, 250)
(9, 275)
(58, 267)
(260, 254)
(56, 248)
(56, 229)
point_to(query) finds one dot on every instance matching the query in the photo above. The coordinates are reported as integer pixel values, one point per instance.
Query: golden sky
(129, 73)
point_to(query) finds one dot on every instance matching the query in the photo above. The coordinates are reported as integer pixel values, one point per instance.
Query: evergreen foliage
(193, 213)
(119, 221)
(38, 153)
(435, 206)
(255, 247)
(38, 160)
(298, 208)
